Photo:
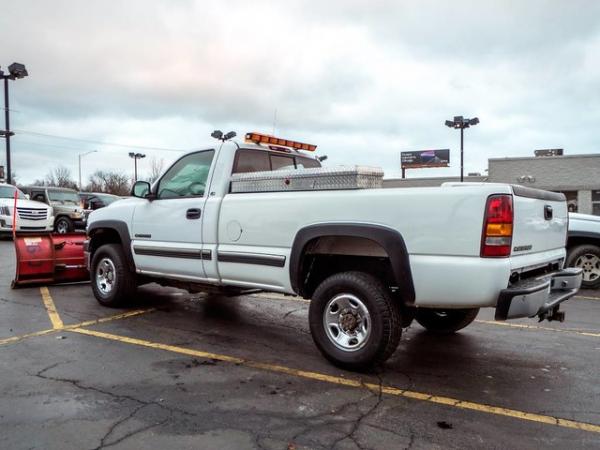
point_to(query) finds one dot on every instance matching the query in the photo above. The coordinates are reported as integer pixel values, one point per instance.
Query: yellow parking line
(133, 313)
(87, 323)
(51, 308)
(10, 340)
(535, 327)
(389, 390)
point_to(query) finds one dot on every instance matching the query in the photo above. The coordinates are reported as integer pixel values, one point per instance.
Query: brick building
(577, 176)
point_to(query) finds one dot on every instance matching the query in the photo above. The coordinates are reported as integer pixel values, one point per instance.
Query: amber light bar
(259, 138)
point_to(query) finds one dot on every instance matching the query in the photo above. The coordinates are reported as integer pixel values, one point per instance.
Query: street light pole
(462, 154)
(15, 71)
(135, 157)
(461, 123)
(7, 131)
(80, 155)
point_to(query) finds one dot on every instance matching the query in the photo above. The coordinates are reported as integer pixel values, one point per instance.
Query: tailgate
(540, 220)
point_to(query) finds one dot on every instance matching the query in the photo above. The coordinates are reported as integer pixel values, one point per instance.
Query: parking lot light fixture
(460, 123)
(135, 157)
(80, 155)
(16, 71)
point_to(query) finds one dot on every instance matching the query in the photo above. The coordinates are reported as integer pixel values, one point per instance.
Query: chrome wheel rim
(62, 227)
(105, 276)
(347, 322)
(590, 263)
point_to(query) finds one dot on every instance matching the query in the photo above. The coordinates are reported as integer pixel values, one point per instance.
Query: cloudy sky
(364, 80)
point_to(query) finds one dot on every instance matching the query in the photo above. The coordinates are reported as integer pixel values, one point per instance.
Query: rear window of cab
(258, 160)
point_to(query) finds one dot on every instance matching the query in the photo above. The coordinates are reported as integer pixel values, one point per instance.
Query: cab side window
(187, 177)
(251, 161)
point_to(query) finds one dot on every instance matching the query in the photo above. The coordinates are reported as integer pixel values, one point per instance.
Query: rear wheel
(586, 257)
(113, 283)
(354, 321)
(445, 321)
(63, 225)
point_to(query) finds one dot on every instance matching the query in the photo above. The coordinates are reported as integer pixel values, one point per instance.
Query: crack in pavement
(362, 416)
(312, 422)
(118, 397)
(115, 425)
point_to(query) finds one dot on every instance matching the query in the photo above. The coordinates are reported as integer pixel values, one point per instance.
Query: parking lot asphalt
(195, 371)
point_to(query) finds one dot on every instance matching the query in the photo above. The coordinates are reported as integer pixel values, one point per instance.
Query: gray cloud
(362, 80)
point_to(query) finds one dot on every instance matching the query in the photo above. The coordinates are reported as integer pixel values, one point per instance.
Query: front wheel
(445, 321)
(113, 283)
(63, 225)
(586, 257)
(354, 321)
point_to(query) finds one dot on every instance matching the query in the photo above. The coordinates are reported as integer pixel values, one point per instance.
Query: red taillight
(496, 238)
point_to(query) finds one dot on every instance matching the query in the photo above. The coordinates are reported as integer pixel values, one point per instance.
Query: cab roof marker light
(259, 138)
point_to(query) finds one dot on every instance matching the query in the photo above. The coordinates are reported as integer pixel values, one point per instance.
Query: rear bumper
(538, 296)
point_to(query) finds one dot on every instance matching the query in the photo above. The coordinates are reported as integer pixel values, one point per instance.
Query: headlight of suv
(4, 211)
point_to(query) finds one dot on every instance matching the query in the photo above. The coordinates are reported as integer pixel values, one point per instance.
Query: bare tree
(60, 177)
(111, 182)
(156, 168)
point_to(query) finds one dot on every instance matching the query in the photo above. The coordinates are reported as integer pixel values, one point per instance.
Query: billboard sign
(425, 158)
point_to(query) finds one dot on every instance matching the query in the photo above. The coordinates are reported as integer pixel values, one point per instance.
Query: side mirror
(141, 189)
(27, 197)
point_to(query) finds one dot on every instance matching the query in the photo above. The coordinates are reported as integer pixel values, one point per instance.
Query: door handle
(193, 213)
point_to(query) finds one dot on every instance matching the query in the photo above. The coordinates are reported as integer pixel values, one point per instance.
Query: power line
(90, 141)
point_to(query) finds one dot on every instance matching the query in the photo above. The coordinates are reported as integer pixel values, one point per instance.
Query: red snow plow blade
(49, 259)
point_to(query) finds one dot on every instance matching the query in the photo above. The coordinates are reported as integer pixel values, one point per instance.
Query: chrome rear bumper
(539, 296)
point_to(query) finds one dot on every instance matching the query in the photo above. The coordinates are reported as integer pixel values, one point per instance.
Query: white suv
(31, 216)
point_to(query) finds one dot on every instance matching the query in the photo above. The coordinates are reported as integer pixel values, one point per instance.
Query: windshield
(63, 197)
(9, 192)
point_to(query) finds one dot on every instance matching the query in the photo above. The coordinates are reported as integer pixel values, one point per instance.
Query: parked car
(31, 216)
(371, 260)
(583, 247)
(68, 213)
(96, 200)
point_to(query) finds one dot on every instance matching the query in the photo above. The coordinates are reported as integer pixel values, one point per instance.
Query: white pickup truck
(371, 260)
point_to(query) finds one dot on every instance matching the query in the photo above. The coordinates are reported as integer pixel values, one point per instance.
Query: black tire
(384, 323)
(63, 225)
(445, 321)
(122, 283)
(586, 257)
